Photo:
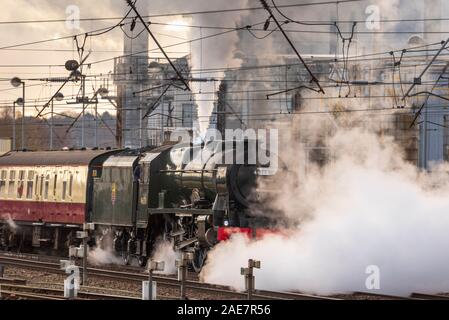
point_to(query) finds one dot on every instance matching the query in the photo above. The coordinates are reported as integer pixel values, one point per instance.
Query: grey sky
(57, 52)
(217, 52)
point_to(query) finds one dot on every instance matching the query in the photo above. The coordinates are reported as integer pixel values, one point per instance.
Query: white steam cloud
(11, 223)
(99, 257)
(164, 253)
(368, 207)
(103, 253)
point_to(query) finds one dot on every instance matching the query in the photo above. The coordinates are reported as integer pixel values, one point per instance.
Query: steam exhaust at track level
(368, 211)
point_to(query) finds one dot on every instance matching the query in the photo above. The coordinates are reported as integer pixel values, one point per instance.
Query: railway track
(32, 291)
(424, 296)
(192, 286)
(16, 295)
(162, 281)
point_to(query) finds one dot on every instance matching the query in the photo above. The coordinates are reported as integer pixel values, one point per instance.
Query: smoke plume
(367, 208)
(367, 204)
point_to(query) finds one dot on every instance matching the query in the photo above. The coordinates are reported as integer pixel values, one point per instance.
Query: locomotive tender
(134, 198)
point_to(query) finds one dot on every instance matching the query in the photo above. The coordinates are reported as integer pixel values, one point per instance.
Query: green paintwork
(113, 196)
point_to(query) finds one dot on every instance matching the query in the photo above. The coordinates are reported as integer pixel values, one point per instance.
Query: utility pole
(23, 116)
(96, 123)
(14, 145)
(83, 90)
(140, 125)
(162, 119)
(17, 82)
(51, 125)
(426, 137)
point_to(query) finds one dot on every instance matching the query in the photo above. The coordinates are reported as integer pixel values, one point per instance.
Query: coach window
(20, 185)
(55, 181)
(64, 185)
(46, 185)
(30, 184)
(3, 182)
(36, 184)
(11, 183)
(70, 184)
(41, 186)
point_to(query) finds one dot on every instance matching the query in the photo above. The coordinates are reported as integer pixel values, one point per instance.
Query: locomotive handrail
(187, 171)
(196, 212)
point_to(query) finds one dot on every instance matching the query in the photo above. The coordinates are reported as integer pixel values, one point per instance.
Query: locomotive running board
(179, 211)
(186, 243)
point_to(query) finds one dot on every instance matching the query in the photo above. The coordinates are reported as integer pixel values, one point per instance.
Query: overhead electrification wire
(313, 77)
(266, 35)
(343, 39)
(188, 13)
(397, 64)
(444, 45)
(180, 76)
(176, 44)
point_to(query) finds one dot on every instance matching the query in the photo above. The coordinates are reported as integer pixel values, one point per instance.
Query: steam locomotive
(131, 199)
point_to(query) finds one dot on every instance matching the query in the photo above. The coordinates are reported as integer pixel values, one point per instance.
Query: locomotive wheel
(142, 261)
(199, 259)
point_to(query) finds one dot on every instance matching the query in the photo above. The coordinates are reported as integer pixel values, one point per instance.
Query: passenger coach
(47, 194)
